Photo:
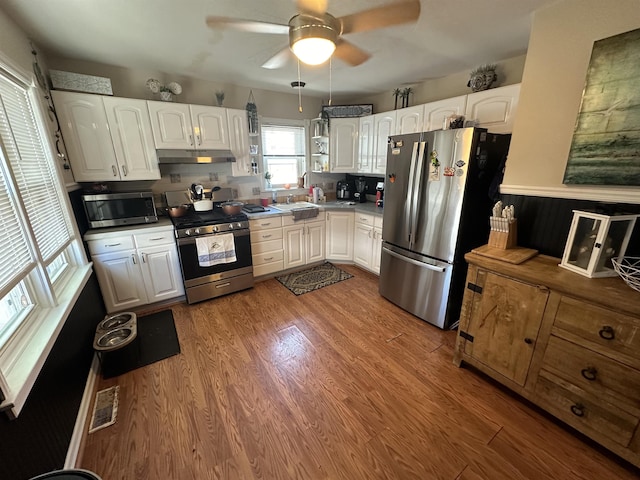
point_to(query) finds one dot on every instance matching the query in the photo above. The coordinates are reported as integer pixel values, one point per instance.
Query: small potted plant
(166, 91)
(219, 97)
(267, 177)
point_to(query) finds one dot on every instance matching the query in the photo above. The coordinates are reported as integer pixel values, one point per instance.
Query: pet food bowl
(114, 339)
(116, 321)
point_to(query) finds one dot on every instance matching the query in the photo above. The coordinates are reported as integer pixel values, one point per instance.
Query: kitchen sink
(288, 207)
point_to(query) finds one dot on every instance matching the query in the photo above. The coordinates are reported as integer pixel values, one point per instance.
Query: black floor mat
(157, 339)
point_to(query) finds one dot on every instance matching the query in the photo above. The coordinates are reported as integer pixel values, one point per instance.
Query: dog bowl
(114, 339)
(117, 320)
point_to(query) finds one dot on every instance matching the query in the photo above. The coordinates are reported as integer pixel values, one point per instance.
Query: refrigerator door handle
(408, 213)
(416, 191)
(435, 268)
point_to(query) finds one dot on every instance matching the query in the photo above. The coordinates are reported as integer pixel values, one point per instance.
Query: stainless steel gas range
(214, 250)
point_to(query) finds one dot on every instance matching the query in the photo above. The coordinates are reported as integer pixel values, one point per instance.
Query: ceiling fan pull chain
(299, 90)
(330, 70)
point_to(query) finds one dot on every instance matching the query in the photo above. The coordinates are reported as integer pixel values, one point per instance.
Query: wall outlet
(213, 177)
(175, 178)
(255, 190)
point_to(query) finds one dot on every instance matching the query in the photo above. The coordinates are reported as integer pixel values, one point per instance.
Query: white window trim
(303, 167)
(29, 346)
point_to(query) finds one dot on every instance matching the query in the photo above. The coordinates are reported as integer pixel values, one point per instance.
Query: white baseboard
(81, 419)
(598, 194)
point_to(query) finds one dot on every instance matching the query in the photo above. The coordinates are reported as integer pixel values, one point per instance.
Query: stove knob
(238, 225)
(197, 232)
(187, 232)
(231, 226)
(215, 228)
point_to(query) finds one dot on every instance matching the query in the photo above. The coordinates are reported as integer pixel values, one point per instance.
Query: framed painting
(606, 142)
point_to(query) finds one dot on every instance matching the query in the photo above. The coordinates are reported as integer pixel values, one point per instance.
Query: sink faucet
(289, 198)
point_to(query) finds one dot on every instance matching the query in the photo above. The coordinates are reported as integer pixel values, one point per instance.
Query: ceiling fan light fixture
(313, 38)
(313, 51)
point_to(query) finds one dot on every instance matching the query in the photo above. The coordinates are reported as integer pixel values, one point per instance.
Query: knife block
(503, 234)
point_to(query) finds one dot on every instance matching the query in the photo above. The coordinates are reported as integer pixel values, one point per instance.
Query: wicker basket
(629, 269)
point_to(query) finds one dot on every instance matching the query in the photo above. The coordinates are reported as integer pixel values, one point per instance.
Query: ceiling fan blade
(349, 53)
(279, 60)
(393, 14)
(246, 25)
(312, 6)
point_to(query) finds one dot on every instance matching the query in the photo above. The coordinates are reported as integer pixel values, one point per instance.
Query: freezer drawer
(418, 284)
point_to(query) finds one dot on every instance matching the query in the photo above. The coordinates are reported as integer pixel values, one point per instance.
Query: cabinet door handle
(265, 224)
(222, 285)
(156, 239)
(144, 257)
(268, 259)
(133, 259)
(607, 332)
(577, 409)
(589, 373)
(266, 236)
(528, 341)
(124, 170)
(191, 140)
(114, 170)
(112, 245)
(199, 139)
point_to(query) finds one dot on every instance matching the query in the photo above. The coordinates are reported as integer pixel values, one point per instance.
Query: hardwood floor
(334, 384)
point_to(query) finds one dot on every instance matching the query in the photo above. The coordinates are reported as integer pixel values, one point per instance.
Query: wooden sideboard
(567, 343)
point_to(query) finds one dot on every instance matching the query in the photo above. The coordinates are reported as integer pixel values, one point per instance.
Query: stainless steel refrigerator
(439, 191)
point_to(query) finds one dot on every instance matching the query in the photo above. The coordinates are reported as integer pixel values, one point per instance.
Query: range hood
(194, 156)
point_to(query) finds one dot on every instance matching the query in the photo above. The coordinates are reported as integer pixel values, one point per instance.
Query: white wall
(554, 75)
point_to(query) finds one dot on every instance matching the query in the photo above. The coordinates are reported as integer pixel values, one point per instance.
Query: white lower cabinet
(368, 241)
(266, 245)
(136, 268)
(304, 241)
(339, 235)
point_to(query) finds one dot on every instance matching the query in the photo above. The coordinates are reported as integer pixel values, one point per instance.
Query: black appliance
(203, 280)
(345, 190)
(117, 209)
(361, 188)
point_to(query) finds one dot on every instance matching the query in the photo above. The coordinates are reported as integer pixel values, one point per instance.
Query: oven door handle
(191, 240)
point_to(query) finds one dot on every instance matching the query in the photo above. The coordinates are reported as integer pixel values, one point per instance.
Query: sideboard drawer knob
(577, 410)
(607, 332)
(589, 373)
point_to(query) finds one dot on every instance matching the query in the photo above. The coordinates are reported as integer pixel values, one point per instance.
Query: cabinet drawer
(568, 404)
(593, 372)
(266, 236)
(268, 257)
(267, 268)
(611, 330)
(112, 244)
(265, 223)
(267, 246)
(365, 218)
(155, 238)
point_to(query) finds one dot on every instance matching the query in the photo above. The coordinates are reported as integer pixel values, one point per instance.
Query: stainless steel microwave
(116, 209)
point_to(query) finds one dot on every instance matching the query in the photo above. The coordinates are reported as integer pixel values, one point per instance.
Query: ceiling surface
(171, 36)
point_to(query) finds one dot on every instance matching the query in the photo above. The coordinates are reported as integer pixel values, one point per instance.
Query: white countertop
(367, 207)
(163, 224)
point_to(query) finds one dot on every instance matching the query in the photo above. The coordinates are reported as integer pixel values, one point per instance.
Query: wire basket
(629, 269)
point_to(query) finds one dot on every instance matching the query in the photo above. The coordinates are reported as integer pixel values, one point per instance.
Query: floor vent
(105, 408)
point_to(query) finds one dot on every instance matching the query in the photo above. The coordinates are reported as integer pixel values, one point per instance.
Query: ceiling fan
(315, 35)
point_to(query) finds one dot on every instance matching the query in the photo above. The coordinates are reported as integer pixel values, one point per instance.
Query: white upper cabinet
(410, 120)
(343, 144)
(384, 125)
(366, 144)
(435, 113)
(494, 109)
(107, 138)
(84, 126)
(239, 140)
(132, 137)
(210, 127)
(182, 126)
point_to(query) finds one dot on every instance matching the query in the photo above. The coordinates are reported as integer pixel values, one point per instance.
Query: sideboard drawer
(609, 329)
(570, 405)
(594, 373)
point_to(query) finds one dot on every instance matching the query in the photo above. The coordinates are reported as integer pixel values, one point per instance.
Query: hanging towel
(216, 249)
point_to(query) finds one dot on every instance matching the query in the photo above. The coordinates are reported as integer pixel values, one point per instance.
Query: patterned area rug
(313, 278)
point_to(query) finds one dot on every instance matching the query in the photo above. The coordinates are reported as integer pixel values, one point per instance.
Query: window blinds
(283, 140)
(34, 174)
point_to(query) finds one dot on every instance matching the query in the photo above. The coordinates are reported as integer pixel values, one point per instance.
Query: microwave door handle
(407, 211)
(416, 191)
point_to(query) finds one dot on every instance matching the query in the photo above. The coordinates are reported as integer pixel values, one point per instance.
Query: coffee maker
(379, 193)
(344, 190)
(361, 189)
